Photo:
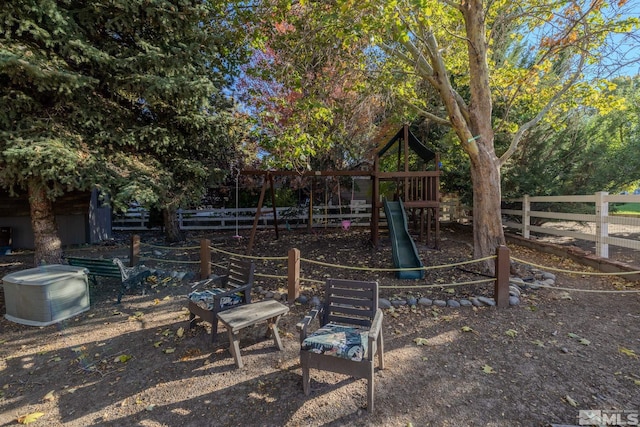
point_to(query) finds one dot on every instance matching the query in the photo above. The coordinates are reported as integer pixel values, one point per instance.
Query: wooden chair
(350, 334)
(221, 293)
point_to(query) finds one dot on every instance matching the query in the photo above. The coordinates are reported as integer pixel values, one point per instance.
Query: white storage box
(45, 295)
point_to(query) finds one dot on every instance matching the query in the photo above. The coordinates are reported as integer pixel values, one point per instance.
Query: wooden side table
(236, 319)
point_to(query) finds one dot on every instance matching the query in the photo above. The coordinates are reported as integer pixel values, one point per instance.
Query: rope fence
(294, 279)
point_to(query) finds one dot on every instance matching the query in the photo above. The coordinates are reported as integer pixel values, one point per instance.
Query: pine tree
(125, 96)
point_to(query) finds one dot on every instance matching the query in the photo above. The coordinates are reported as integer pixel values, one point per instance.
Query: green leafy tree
(124, 96)
(460, 49)
(582, 152)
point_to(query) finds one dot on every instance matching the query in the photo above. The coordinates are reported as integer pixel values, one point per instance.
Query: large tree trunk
(48, 247)
(171, 226)
(488, 233)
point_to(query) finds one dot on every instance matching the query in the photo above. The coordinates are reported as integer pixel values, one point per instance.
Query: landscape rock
(514, 300)
(516, 281)
(425, 301)
(382, 303)
(465, 303)
(453, 303)
(439, 303)
(487, 301)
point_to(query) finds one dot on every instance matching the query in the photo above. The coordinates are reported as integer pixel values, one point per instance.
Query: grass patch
(628, 209)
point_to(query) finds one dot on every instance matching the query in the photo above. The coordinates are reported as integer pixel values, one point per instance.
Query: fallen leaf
(466, 329)
(572, 335)
(488, 369)
(584, 341)
(169, 350)
(628, 352)
(180, 332)
(511, 332)
(570, 401)
(421, 341)
(538, 343)
(123, 358)
(29, 418)
(150, 407)
(49, 396)
(157, 344)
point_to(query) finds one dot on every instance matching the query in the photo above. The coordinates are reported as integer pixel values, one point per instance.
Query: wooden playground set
(414, 191)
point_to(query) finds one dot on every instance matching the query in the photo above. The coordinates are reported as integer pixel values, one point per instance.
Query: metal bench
(98, 267)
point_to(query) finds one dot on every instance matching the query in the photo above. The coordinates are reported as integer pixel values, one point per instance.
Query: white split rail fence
(600, 220)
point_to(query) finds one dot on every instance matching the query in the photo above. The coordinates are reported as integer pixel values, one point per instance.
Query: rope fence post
(205, 258)
(134, 250)
(293, 275)
(501, 290)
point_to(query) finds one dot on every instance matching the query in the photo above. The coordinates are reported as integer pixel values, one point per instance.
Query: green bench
(129, 276)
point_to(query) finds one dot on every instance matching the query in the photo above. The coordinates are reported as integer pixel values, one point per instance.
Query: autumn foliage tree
(461, 50)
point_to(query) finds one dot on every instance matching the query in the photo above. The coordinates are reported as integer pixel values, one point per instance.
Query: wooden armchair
(221, 293)
(350, 335)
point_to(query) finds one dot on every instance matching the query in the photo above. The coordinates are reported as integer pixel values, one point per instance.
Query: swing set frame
(419, 190)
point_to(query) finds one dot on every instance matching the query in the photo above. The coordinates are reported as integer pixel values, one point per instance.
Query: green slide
(405, 253)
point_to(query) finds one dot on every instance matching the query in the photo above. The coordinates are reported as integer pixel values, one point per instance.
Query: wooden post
(310, 212)
(375, 212)
(273, 203)
(602, 224)
(134, 251)
(205, 259)
(293, 269)
(501, 290)
(252, 238)
(526, 217)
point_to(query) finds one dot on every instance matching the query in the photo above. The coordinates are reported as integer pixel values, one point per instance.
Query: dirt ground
(138, 364)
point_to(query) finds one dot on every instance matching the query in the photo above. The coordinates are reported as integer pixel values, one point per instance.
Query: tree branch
(531, 123)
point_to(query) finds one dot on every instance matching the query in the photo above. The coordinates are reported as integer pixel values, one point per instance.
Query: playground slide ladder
(405, 253)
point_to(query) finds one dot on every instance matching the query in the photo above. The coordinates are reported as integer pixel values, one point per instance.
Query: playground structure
(418, 189)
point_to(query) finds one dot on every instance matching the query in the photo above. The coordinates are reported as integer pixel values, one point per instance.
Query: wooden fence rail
(358, 213)
(627, 228)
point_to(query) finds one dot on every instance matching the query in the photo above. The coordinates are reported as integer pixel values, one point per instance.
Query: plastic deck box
(46, 295)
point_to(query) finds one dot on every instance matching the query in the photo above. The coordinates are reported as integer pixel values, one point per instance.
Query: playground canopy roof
(414, 143)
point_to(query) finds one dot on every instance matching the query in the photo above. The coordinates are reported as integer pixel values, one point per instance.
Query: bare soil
(137, 363)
